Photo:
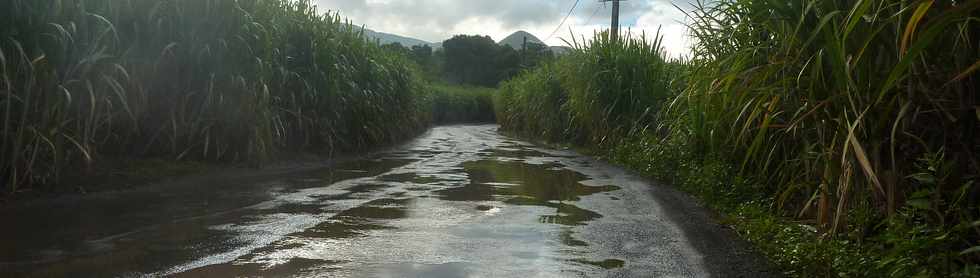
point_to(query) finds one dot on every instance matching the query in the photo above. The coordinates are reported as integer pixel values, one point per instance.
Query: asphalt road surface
(459, 201)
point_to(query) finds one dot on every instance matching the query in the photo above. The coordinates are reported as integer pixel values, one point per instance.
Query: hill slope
(516, 40)
(386, 38)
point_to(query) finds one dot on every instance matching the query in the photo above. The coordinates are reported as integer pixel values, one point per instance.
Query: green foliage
(840, 135)
(907, 247)
(478, 60)
(535, 54)
(829, 106)
(617, 87)
(217, 80)
(819, 94)
(594, 94)
(533, 105)
(425, 58)
(422, 55)
(458, 104)
(928, 235)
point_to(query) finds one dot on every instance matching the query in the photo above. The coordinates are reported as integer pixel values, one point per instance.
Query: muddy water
(460, 201)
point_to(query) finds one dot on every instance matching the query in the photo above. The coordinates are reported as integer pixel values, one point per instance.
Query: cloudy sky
(437, 20)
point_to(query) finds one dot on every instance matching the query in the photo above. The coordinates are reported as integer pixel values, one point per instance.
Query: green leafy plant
(844, 129)
(212, 80)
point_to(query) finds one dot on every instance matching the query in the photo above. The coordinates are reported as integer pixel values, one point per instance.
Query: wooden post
(614, 30)
(614, 26)
(524, 53)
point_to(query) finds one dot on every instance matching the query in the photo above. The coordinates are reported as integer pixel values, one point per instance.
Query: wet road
(460, 201)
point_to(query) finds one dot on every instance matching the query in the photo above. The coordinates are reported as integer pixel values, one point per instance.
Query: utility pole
(614, 28)
(615, 20)
(524, 52)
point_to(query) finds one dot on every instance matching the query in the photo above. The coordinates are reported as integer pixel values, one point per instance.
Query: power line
(597, 8)
(563, 21)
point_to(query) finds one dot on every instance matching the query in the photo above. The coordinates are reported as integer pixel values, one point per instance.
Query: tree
(422, 54)
(470, 59)
(396, 47)
(478, 60)
(507, 63)
(535, 54)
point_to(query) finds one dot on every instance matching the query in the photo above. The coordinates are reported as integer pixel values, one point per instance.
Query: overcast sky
(438, 20)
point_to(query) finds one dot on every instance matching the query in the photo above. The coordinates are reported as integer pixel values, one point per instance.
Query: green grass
(533, 105)
(593, 95)
(841, 138)
(461, 104)
(859, 117)
(207, 80)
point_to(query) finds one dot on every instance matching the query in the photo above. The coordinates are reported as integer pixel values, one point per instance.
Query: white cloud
(676, 40)
(437, 20)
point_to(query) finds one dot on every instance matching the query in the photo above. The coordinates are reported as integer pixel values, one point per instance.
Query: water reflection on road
(461, 201)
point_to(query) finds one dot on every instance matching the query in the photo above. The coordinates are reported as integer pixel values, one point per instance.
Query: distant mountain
(386, 38)
(516, 41)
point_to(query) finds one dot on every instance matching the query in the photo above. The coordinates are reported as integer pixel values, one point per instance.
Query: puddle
(606, 264)
(409, 177)
(294, 267)
(341, 228)
(461, 201)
